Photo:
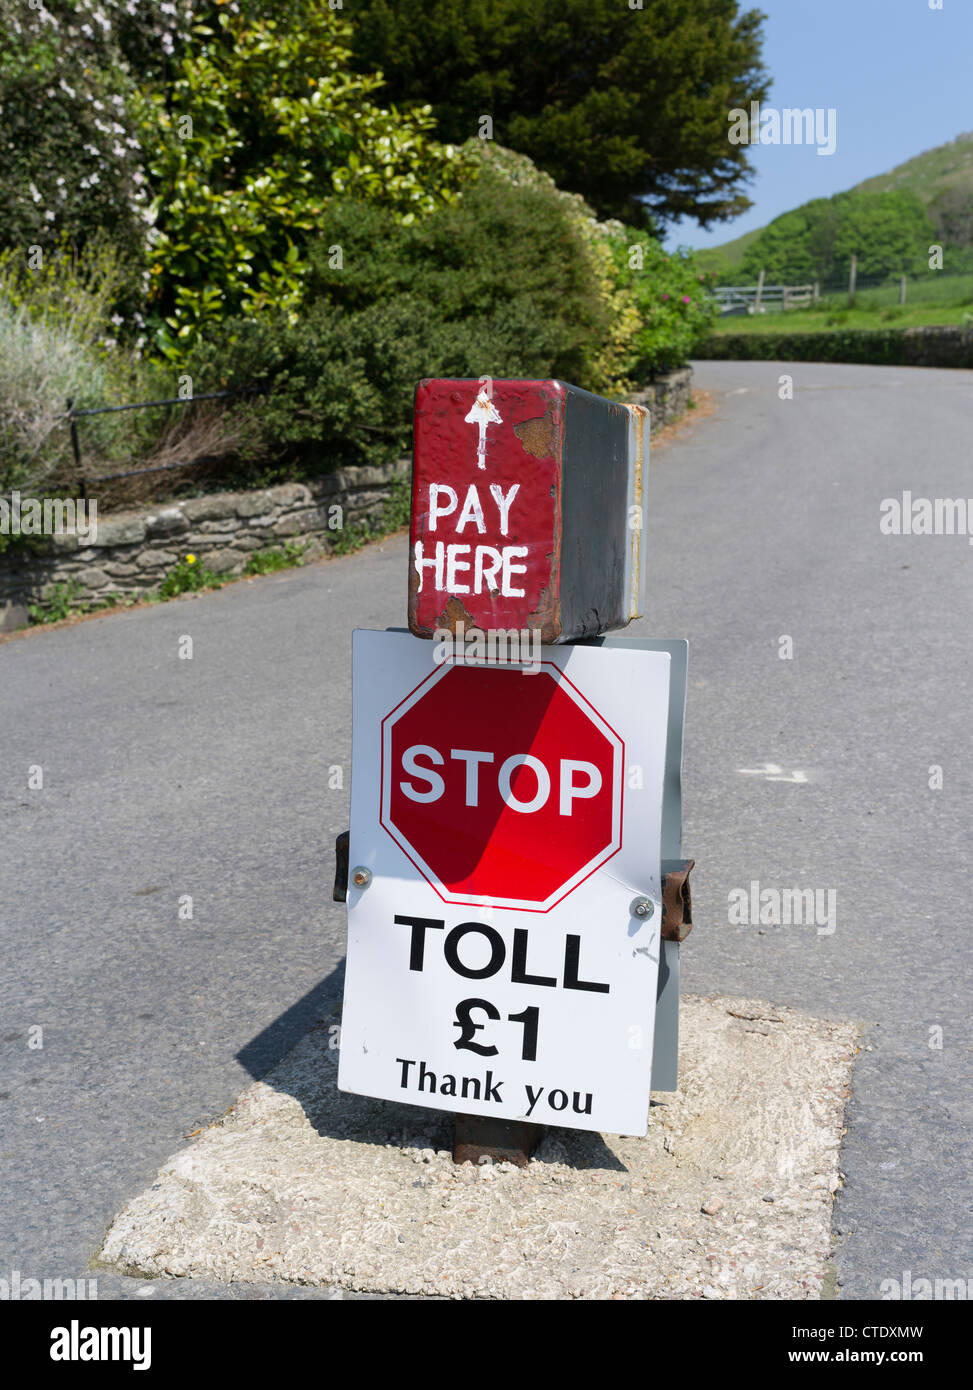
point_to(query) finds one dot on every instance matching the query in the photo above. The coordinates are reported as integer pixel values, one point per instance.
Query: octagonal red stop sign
(502, 788)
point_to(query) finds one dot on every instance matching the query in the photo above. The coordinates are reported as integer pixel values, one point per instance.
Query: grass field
(931, 300)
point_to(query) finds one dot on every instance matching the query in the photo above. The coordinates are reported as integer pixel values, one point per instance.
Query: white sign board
(508, 817)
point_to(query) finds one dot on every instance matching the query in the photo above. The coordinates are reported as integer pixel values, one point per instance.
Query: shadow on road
(310, 1076)
(271, 1045)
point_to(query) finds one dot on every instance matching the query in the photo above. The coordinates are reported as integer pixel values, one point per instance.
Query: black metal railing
(73, 416)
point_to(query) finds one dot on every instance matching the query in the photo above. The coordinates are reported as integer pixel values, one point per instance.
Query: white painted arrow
(772, 772)
(483, 413)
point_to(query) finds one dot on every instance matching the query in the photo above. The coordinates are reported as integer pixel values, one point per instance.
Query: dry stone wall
(132, 552)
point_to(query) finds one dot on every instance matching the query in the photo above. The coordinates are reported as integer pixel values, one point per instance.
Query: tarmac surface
(209, 778)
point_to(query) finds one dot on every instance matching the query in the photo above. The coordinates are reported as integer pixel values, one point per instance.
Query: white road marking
(773, 772)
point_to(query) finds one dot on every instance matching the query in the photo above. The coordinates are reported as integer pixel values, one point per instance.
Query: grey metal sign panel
(665, 1055)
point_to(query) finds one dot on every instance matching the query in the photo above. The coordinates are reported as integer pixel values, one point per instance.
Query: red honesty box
(528, 509)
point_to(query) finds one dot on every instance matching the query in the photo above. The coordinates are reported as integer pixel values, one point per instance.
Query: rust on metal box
(539, 434)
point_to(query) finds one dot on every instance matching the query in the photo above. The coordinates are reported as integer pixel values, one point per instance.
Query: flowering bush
(672, 299)
(209, 162)
(71, 160)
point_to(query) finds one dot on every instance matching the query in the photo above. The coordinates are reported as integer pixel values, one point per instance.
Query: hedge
(893, 347)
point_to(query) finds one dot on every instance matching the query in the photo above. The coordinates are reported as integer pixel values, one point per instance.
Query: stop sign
(502, 788)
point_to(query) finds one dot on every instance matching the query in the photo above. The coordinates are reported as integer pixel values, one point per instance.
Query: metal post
(852, 279)
(480, 1137)
(817, 291)
(902, 290)
(760, 290)
(76, 448)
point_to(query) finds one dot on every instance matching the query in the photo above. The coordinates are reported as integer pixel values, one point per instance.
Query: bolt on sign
(503, 945)
(528, 509)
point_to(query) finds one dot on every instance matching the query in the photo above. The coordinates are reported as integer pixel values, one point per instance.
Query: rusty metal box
(528, 509)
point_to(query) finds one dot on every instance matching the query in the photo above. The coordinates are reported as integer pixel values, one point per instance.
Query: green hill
(942, 178)
(946, 168)
(722, 259)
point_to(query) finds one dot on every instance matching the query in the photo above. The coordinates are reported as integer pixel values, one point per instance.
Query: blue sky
(899, 74)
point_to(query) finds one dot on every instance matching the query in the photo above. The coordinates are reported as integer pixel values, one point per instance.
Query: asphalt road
(210, 778)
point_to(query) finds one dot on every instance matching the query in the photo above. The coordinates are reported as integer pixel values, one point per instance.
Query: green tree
(500, 281)
(515, 278)
(889, 232)
(626, 106)
(263, 123)
(795, 248)
(952, 214)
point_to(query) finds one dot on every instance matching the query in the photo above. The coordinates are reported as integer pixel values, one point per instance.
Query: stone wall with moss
(131, 552)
